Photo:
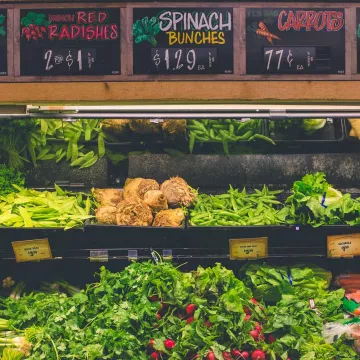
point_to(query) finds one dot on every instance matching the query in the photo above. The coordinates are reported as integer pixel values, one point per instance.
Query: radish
(258, 328)
(254, 301)
(155, 355)
(258, 355)
(247, 317)
(208, 324)
(158, 316)
(247, 310)
(245, 355)
(210, 356)
(151, 343)
(271, 338)
(169, 344)
(236, 353)
(190, 320)
(43, 28)
(154, 298)
(31, 26)
(28, 36)
(226, 355)
(190, 309)
(254, 334)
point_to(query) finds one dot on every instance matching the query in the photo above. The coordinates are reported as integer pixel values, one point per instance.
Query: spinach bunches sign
(295, 41)
(183, 41)
(3, 43)
(57, 42)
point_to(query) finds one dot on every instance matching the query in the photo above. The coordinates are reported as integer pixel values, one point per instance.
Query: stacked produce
(236, 208)
(155, 311)
(143, 202)
(30, 208)
(303, 305)
(224, 131)
(313, 201)
(294, 127)
(120, 129)
(72, 148)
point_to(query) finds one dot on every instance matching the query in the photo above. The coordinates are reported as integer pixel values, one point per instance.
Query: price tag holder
(343, 246)
(99, 256)
(248, 249)
(32, 250)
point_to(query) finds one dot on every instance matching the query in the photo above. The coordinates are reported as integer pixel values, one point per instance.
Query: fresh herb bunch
(8, 177)
(14, 135)
(146, 308)
(225, 131)
(146, 30)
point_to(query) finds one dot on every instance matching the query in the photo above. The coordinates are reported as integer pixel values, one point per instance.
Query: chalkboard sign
(295, 41)
(3, 43)
(183, 41)
(63, 42)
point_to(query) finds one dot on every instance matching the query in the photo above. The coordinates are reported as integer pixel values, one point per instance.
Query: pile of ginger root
(144, 202)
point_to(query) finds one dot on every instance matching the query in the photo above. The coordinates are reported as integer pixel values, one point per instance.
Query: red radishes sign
(70, 42)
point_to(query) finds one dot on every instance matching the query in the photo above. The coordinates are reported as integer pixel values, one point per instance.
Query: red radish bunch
(33, 32)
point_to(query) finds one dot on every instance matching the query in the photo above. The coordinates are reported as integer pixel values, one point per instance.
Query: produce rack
(277, 167)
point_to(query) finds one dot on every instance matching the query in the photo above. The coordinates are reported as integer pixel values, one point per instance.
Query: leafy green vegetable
(31, 208)
(116, 317)
(269, 283)
(13, 139)
(8, 177)
(44, 142)
(296, 126)
(315, 202)
(146, 30)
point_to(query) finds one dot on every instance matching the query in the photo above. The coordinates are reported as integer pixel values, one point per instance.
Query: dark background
(3, 47)
(255, 43)
(143, 63)
(32, 52)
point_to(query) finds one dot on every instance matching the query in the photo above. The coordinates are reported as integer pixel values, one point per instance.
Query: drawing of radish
(34, 26)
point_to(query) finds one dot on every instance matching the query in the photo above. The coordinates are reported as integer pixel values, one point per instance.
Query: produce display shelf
(332, 133)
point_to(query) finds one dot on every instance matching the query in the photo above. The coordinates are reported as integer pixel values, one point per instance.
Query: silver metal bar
(195, 108)
(186, 114)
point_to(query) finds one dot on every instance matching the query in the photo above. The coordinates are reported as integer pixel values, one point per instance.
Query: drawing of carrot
(266, 34)
(262, 26)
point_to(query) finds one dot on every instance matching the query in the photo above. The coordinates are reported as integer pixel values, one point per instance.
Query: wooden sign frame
(79, 78)
(214, 77)
(126, 45)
